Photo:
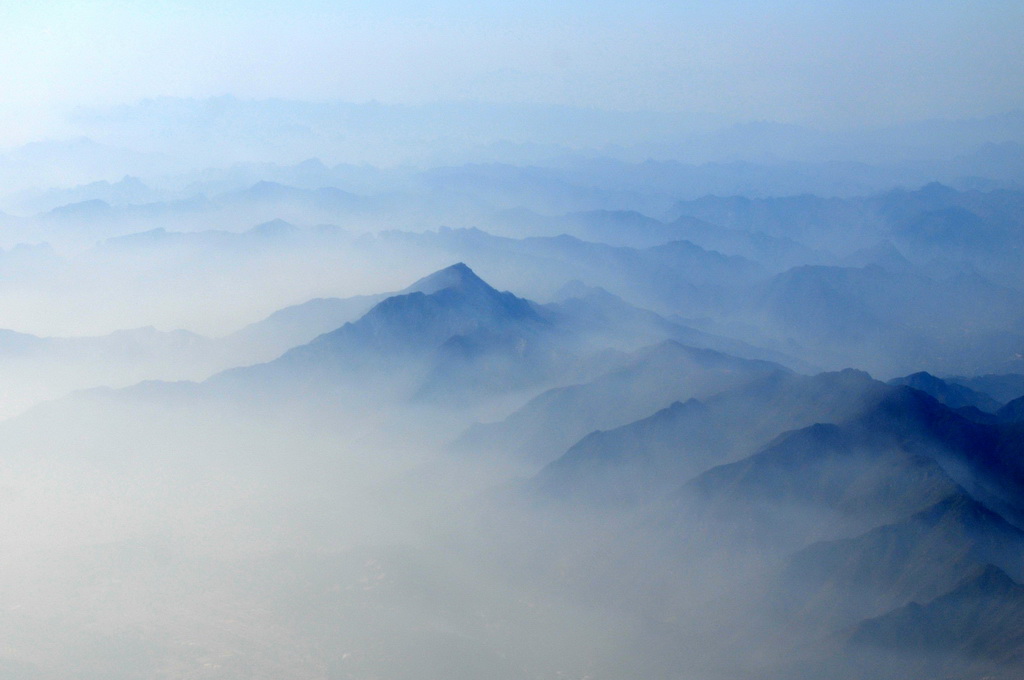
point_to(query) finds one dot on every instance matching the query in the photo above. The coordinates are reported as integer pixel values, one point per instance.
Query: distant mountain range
(887, 282)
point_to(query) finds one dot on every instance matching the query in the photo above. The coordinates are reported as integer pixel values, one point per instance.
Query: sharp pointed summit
(446, 325)
(458, 275)
(451, 302)
(459, 288)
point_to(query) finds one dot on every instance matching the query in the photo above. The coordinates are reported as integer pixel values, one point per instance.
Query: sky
(835, 64)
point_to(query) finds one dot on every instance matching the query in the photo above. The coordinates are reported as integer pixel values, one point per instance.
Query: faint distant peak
(130, 182)
(937, 190)
(311, 164)
(265, 189)
(91, 208)
(919, 378)
(884, 254)
(989, 579)
(267, 185)
(275, 227)
(578, 289)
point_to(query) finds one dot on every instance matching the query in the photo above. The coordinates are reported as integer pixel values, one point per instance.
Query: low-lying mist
(550, 413)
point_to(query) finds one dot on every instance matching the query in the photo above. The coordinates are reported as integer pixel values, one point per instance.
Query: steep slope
(837, 583)
(830, 480)
(1013, 412)
(653, 378)
(642, 461)
(974, 630)
(951, 394)
(985, 459)
(821, 482)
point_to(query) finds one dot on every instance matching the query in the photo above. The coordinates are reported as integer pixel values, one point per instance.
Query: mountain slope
(951, 394)
(976, 629)
(1013, 412)
(398, 340)
(837, 583)
(653, 378)
(821, 482)
(642, 461)
(297, 325)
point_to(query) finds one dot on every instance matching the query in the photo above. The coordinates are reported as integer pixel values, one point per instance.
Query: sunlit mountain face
(512, 343)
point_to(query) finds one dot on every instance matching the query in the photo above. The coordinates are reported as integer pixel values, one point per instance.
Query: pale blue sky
(827, 63)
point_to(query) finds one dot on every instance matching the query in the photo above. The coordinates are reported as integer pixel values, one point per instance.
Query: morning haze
(478, 340)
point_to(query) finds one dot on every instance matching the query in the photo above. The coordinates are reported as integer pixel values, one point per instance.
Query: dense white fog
(450, 342)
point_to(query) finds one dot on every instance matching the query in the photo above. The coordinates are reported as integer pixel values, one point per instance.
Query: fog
(452, 481)
(442, 341)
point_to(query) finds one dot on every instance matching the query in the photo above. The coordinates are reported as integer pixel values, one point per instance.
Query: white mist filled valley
(469, 344)
(614, 445)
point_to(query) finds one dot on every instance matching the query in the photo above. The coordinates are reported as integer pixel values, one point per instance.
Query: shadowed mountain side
(644, 461)
(1002, 388)
(823, 482)
(882, 487)
(1013, 412)
(986, 459)
(728, 529)
(829, 480)
(948, 393)
(893, 452)
(887, 453)
(835, 481)
(975, 630)
(654, 377)
(837, 583)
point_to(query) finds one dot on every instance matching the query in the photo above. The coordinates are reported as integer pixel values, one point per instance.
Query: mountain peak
(949, 394)
(275, 227)
(457, 275)
(448, 303)
(920, 378)
(990, 579)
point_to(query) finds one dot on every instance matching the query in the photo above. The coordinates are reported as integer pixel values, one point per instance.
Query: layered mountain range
(729, 514)
(593, 428)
